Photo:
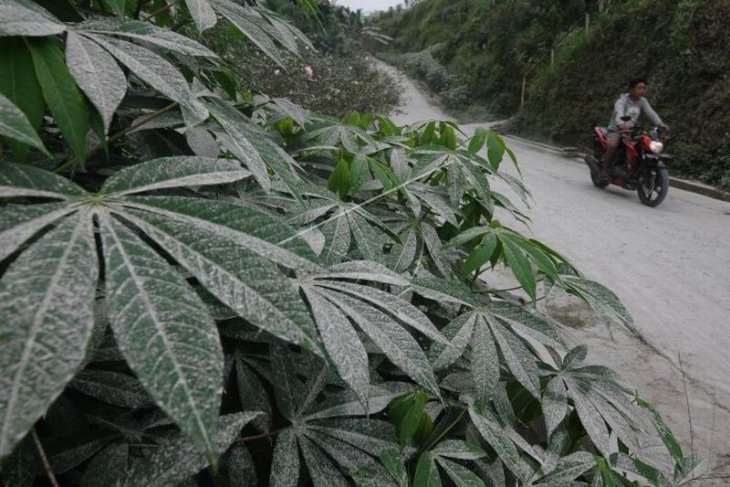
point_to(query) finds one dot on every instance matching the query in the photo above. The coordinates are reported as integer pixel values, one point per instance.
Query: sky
(368, 6)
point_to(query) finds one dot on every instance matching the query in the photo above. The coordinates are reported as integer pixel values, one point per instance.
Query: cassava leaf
(202, 13)
(19, 84)
(22, 180)
(46, 317)
(568, 468)
(395, 342)
(25, 18)
(460, 475)
(341, 342)
(165, 334)
(179, 459)
(97, 74)
(484, 361)
(61, 93)
(493, 434)
(173, 172)
(148, 33)
(155, 71)
(15, 125)
(285, 463)
(241, 17)
(426, 474)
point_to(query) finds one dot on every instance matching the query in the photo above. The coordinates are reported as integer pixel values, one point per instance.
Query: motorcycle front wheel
(653, 187)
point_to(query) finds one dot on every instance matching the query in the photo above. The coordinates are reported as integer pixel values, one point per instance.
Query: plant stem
(44, 459)
(249, 439)
(120, 134)
(160, 10)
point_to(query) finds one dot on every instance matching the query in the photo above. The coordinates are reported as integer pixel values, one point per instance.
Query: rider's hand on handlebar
(665, 126)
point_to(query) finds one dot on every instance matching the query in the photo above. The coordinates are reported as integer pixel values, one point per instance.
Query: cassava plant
(198, 289)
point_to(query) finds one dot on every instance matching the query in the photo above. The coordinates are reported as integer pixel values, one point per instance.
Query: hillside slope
(680, 45)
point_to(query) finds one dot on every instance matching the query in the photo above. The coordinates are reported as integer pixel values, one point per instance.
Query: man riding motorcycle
(629, 105)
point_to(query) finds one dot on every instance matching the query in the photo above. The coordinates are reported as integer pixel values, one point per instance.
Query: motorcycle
(640, 163)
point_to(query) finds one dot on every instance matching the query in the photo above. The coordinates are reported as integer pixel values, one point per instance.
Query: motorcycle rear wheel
(653, 187)
(593, 165)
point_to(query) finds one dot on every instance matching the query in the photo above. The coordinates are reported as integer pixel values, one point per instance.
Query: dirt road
(670, 266)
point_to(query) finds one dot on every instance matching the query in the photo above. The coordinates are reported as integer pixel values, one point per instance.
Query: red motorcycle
(640, 163)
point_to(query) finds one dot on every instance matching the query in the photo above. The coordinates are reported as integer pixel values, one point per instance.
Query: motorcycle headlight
(656, 146)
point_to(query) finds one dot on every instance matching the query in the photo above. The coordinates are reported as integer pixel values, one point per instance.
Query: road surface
(670, 266)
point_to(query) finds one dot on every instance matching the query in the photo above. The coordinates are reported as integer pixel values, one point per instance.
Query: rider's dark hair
(635, 81)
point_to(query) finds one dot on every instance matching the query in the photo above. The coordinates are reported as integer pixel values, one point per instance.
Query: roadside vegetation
(573, 74)
(205, 287)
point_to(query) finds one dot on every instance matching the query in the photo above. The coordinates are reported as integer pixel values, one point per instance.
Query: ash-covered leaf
(25, 18)
(46, 317)
(178, 458)
(97, 74)
(112, 388)
(165, 333)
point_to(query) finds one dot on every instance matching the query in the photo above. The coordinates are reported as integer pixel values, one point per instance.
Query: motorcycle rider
(631, 104)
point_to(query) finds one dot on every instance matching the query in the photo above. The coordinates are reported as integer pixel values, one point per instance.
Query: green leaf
(520, 266)
(46, 317)
(460, 475)
(495, 149)
(24, 18)
(97, 74)
(165, 333)
(202, 13)
(427, 474)
(412, 419)
(341, 342)
(15, 125)
(478, 140)
(339, 180)
(63, 97)
(116, 6)
(668, 438)
(173, 172)
(481, 253)
(393, 462)
(19, 84)
(178, 459)
(285, 462)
